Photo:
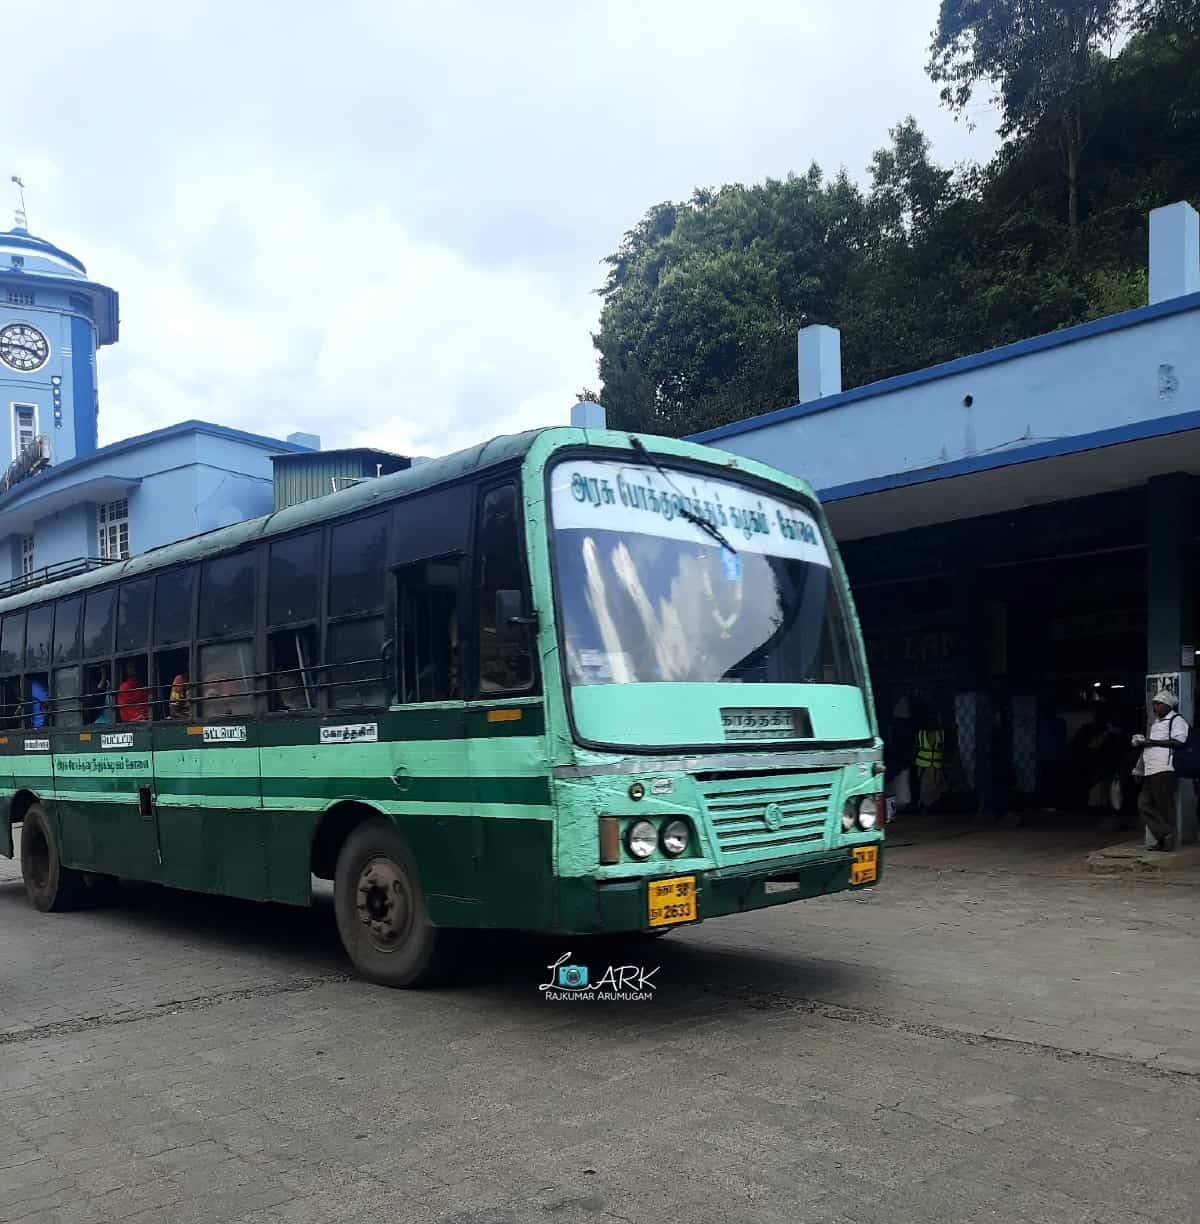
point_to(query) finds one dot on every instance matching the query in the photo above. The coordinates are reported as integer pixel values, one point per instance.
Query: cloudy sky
(383, 222)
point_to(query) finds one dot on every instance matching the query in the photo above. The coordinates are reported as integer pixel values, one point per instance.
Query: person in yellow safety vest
(930, 761)
(931, 749)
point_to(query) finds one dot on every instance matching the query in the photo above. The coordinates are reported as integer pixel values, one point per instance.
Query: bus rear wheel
(49, 885)
(381, 914)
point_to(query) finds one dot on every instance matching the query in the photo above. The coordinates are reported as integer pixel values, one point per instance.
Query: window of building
(427, 635)
(27, 554)
(18, 298)
(24, 426)
(112, 519)
(505, 651)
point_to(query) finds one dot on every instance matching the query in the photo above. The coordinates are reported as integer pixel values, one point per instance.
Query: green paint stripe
(459, 723)
(518, 792)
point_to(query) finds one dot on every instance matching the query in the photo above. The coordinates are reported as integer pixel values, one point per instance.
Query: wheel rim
(384, 904)
(36, 854)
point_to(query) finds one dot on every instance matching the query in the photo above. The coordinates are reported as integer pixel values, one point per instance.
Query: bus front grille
(772, 816)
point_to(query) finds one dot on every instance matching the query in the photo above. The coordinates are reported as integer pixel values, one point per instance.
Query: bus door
(212, 828)
(430, 767)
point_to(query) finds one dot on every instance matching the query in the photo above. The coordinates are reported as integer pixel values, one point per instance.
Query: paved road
(952, 1047)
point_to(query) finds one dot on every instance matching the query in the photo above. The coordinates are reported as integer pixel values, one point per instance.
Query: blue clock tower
(52, 320)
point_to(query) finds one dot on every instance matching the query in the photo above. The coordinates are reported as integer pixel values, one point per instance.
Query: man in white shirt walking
(1156, 803)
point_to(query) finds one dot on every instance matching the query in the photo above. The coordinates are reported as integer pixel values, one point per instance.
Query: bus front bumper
(589, 906)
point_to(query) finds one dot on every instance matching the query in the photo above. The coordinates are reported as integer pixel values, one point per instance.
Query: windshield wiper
(684, 513)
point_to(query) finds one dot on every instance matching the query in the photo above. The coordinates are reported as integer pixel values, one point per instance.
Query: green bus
(573, 681)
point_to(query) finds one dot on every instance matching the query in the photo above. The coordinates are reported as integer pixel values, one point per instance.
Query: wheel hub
(383, 904)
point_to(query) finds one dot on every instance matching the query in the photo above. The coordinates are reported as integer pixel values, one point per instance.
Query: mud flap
(6, 839)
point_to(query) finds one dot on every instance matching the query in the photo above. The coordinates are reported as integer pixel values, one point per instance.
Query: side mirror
(511, 621)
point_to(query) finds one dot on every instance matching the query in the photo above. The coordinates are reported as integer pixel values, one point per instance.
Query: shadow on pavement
(503, 967)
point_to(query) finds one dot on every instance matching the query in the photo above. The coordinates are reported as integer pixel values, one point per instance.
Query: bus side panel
(103, 824)
(509, 766)
(7, 794)
(211, 823)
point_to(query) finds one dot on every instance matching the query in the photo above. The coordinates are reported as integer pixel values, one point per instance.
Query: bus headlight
(641, 839)
(861, 812)
(868, 811)
(675, 837)
(850, 814)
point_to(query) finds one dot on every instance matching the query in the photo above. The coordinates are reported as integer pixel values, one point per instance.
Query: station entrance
(1008, 658)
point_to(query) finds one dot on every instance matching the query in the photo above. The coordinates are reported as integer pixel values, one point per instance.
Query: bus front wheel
(381, 914)
(48, 884)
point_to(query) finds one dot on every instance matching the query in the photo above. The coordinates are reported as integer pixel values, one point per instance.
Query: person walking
(1156, 803)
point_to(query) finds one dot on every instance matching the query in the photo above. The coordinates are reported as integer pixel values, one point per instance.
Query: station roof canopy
(1080, 466)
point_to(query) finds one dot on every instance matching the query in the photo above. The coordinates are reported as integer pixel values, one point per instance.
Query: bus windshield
(646, 594)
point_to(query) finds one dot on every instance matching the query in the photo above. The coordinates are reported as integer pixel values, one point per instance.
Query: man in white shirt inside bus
(1156, 803)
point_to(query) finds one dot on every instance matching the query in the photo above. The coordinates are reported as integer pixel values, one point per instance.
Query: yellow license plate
(671, 901)
(863, 864)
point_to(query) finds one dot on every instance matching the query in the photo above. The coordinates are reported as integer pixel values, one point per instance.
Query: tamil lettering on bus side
(117, 739)
(351, 733)
(37, 745)
(224, 735)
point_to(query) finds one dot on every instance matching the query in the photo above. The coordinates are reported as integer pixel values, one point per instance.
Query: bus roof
(508, 448)
(496, 451)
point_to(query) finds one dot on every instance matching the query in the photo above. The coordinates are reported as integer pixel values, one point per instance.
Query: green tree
(702, 299)
(1041, 56)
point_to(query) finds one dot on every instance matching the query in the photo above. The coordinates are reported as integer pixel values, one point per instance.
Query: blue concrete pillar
(1171, 600)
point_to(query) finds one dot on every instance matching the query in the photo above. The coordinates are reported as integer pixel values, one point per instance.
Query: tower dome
(25, 252)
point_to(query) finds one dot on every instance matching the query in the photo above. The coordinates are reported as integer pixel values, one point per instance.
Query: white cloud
(384, 225)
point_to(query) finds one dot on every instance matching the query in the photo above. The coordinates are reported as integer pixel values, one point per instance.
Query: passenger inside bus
(38, 697)
(133, 697)
(178, 703)
(98, 704)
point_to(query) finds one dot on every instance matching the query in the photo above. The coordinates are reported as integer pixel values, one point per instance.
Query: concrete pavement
(950, 1047)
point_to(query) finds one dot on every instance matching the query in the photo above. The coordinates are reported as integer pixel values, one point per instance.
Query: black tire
(380, 908)
(49, 885)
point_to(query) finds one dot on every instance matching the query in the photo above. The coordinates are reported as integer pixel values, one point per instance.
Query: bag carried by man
(1185, 757)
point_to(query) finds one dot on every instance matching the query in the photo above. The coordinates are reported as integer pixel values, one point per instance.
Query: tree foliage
(702, 299)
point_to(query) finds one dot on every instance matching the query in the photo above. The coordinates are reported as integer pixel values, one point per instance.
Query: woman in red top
(133, 697)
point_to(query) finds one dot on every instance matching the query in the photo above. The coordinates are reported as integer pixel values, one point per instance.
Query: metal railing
(54, 573)
(286, 692)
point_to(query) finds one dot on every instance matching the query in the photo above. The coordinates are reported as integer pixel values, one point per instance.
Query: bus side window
(293, 679)
(505, 651)
(226, 671)
(427, 632)
(38, 708)
(67, 708)
(354, 647)
(99, 704)
(12, 651)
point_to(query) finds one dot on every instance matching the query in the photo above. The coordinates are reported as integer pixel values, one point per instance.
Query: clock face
(23, 347)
